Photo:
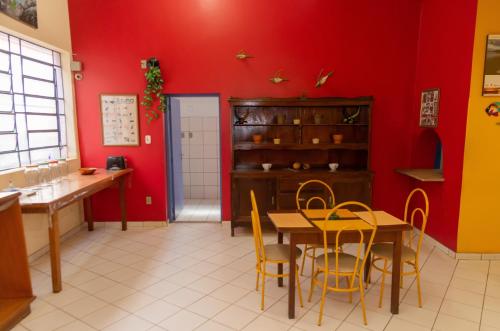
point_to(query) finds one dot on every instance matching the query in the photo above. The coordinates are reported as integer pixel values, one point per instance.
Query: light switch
(147, 138)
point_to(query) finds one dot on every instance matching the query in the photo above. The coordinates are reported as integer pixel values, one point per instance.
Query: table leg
(291, 278)
(368, 265)
(55, 252)
(280, 265)
(123, 206)
(396, 273)
(87, 206)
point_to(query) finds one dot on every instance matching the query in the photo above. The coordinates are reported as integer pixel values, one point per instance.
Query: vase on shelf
(257, 138)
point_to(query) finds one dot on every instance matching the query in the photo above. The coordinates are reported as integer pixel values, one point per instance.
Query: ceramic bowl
(87, 171)
(333, 166)
(266, 166)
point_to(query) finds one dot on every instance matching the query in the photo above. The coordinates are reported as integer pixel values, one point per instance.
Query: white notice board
(120, 120)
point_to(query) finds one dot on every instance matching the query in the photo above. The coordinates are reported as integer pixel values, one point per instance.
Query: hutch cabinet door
(264, 189)
(353, 188)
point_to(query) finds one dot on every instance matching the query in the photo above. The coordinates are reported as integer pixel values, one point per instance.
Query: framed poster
(21, 10)
(120, 120)
(429, 108)
(491, 80)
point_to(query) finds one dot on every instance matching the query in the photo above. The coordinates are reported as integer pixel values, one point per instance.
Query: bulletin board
(120, 120)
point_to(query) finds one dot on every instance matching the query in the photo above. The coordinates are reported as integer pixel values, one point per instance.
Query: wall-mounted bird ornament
(277, 78)
(323, 78)
(242, 55)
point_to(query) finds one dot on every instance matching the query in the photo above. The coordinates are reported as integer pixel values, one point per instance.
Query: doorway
(192, 125)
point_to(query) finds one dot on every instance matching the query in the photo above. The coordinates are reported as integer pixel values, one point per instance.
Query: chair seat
(319, 246)
(385, 250)
(280, 252)
(346, 262)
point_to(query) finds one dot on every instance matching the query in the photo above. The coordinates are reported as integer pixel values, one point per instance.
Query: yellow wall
(53, 32)
(479, 225)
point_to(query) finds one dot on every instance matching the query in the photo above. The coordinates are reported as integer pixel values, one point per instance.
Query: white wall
(53, 32)
(200, 147)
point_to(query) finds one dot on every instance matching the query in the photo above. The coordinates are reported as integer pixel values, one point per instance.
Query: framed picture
(491, 81)
(429, 108)
(120, 120)
(21, 10)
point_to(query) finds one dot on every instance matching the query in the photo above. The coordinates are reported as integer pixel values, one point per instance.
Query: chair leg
(315, 273)
(258, 277)
(370, 268)
(349, 285)
(323, 296)
(303, 261)
(313, 260)
(298, 287)
(419, 290)
(382, 284)
(362, 299)
(263, 286)
(401, 277)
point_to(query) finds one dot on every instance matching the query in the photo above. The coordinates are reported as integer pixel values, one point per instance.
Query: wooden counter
(16, 293)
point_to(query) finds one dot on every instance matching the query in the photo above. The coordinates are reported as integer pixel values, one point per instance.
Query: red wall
(444, 61)
(371, 45)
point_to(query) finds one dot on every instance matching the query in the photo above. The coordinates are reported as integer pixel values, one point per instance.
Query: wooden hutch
(296, 122)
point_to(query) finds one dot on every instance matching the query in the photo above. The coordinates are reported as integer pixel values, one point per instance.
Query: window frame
(60, 115)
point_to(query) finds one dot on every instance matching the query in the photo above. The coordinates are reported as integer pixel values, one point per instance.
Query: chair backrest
(424, 213)
(366, 230)
(257, 230)
(326, 204)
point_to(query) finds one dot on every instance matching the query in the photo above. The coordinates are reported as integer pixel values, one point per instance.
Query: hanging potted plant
(154, 90)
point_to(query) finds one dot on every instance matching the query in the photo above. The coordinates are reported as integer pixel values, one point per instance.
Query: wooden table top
(72, 188)
(320, 214)
(296, 222)
(7, 196)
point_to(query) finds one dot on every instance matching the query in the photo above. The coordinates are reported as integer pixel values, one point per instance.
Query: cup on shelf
(337, 138)
(296, 121)
(276, 141)
(266, 166)
(315, 140)
(333, 166)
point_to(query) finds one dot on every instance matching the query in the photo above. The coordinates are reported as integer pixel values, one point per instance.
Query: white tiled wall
(200, 156)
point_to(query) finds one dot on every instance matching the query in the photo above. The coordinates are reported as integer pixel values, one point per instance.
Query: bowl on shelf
(266, 166)
(333, 166)
(87, 171)
(257, 138)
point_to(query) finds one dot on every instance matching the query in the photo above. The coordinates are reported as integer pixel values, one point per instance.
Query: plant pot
(296, 121)
(257, 138)
(277, 141)
(337, 138)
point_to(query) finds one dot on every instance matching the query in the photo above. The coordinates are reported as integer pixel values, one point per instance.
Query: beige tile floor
(196, 277)
(200, 210)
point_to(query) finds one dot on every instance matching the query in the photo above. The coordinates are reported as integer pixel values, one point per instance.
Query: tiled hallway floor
(200, 210)
(195, 276)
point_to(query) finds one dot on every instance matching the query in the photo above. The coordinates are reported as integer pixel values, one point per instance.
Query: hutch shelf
(297, 130)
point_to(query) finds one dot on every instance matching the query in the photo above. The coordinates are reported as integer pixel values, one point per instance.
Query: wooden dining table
(301, 228)
(75, 187)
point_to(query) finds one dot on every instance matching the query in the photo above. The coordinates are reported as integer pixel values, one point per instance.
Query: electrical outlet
(147, 138)
(148, 200)
(144, 64)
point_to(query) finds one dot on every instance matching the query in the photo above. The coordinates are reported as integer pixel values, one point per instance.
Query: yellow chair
(409, 255)
(298, 200)
(272, 253)
(341, 264)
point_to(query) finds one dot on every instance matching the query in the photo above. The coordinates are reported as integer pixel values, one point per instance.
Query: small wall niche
(427, 159)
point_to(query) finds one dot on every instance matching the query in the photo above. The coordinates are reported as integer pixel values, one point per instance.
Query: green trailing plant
(153, 91)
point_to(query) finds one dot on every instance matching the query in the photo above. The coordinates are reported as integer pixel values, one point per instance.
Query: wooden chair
(409, 255)
(298, 200)
(272, 253)
(343, 265)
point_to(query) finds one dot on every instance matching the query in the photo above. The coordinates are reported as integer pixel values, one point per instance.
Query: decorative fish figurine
(323, 78)
(277, 78)
(243, 56)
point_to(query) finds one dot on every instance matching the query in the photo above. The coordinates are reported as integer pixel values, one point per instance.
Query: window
(32, 114)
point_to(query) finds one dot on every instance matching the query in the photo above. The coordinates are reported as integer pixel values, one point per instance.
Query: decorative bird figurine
(243, 56)
(277, 78)
(323, 78)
